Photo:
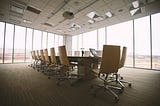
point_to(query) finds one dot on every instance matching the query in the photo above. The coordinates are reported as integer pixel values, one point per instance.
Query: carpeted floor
(20, 85)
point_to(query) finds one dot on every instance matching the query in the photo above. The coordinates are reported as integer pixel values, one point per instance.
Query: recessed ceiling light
(135, 4)
(90, 21)
(135, 11)
(109, 14)
(27, 21)
(99, 18)
(92, 14)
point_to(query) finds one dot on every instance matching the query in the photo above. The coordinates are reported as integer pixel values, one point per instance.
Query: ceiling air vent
(33, 9)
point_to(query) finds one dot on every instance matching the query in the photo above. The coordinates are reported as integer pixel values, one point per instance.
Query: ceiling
(47, 15)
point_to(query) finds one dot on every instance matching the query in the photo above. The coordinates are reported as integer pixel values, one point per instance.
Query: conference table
(85, 65)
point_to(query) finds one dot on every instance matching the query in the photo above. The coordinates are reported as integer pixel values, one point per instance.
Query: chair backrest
(110, 59)
(123, 57)
(63, 56)
(38, 55)
(46, 55)
(69, 53)
(34, 55)
(76, 53)
(53, 56)
(99, 53)
(86, 53)
(42, 55)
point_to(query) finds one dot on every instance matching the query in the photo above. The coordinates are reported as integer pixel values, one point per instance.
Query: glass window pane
(56, 44)
(19, 44)
(8, 43)
(74, 43)
(101, 38)
(44, 40)
(29, 44)
(50, 41)
(90, 40)
(122, 34)
(80, 37)
(37, 40)
(60, 40)
(2, 25)
(142, 42)
(156, 41)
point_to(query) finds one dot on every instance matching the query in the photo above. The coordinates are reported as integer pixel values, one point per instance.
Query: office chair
(41, 59)
(76, 53)
(46, 61)
(53, 68)
(87, 53)
(33, 59)
(119, 78)
(109, 64)
(37, 58)
(99, 53)
(66, 69)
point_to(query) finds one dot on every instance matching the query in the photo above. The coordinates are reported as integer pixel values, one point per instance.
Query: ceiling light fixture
(109, 14)
(135, 4)
(135, 11)
(90, 21)
(100, 18)
(27, 21)
(92, 14)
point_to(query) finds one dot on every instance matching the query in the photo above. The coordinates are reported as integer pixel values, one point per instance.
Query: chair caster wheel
(121, 78)
(130, 84)
(49, 77)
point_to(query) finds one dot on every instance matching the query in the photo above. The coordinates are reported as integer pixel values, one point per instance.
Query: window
(74, 43)
(90, 40)
(9, 43)
(142, 42)
(37, 40)
(19, 44)
(80, 41)
(122, 34)
(156, 41)
(56, 43)
(2, 26)
(29, 44)
(60, 40)
(101, 38)
(51, 42)
(44, 40)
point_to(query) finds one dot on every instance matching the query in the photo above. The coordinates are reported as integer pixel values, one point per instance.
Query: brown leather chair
(121, 65)
(109, 64)
(66, 69)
